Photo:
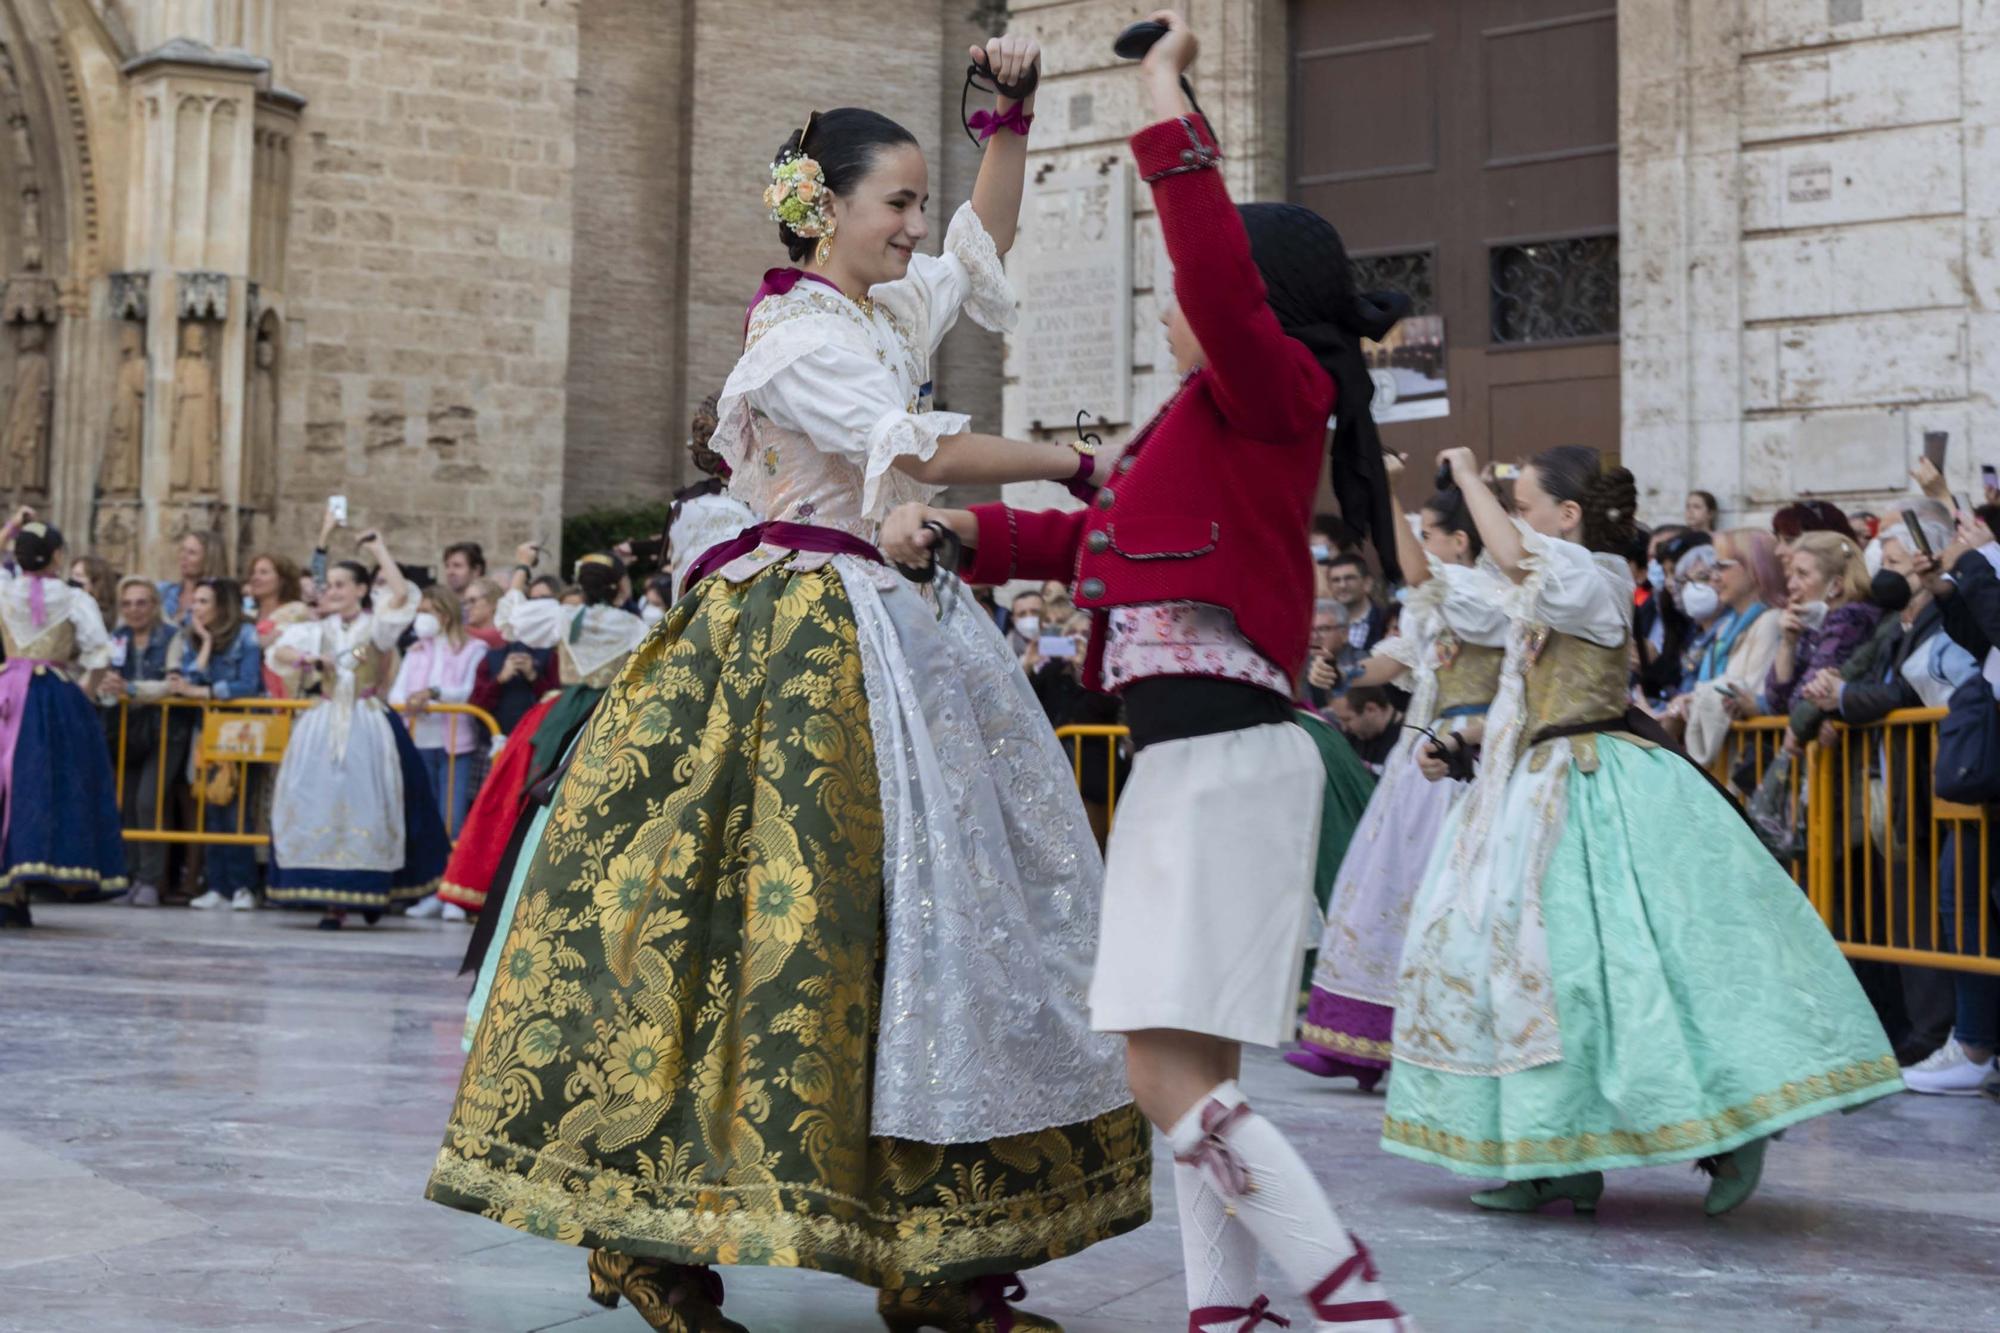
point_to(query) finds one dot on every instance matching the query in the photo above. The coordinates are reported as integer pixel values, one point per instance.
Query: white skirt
(1208, 894)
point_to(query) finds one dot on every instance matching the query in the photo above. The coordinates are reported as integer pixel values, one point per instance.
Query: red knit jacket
(1213, 501)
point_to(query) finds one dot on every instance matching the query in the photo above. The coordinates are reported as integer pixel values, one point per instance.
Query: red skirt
(483, 841)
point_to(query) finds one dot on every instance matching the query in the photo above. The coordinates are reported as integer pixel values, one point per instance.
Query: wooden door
(1468, 152)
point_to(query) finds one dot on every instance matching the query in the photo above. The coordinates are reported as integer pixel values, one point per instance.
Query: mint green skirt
(482, 990)
(1701, 1002)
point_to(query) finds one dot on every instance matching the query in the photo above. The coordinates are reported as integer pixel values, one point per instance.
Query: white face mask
(428, 626)
(1656, 575)
(1321, 553)
(1027, 626)
(1701, 601)
(651, 614)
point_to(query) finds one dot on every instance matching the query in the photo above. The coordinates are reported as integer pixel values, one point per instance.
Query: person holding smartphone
(353, 821)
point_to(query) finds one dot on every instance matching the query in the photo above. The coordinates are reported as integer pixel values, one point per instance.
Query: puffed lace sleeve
(539, 622)
(1571, 591)
(93, 641)
(393, 616)
(846, 402)
(1472, 601)
(967, 276)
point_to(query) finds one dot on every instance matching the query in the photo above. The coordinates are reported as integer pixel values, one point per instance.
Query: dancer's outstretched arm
(1409, 551)
(1496, 530)
(972, 459)
(996, 193)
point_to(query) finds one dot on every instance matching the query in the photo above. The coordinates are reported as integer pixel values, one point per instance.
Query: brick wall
(628, 407)
(428, 279)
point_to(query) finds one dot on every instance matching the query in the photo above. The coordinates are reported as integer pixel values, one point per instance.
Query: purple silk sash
(778, 281)
(791, 536)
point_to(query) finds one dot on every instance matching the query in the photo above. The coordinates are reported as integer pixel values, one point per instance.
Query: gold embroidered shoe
(674, 1298)
(982, 1305)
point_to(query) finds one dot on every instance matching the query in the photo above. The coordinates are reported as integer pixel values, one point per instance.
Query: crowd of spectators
(201, 635)
(1826, 619)
(1820, 621)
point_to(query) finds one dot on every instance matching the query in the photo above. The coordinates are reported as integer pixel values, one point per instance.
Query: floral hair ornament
(798, 198)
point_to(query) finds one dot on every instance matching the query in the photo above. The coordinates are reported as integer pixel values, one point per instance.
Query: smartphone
(1506, 471)
(1916, 531)
(336, 505)
(1989, 477)
(1056, 645)
(1934, 443)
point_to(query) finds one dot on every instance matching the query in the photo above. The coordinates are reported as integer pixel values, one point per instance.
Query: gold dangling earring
(824, 250)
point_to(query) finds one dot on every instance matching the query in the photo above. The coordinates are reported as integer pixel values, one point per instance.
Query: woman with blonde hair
(200, 557)
(137, 678)
(1729, 675)
(1827, 613)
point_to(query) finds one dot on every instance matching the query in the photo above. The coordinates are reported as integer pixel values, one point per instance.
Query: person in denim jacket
(139, 646)
(216, 656)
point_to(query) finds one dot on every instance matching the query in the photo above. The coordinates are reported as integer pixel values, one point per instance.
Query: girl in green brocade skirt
(797, 969)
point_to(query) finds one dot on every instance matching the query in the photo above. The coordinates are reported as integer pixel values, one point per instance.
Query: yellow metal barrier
(1111, 736)
(249, 733)
(1757, 742)
(1878, 843)
(1884, 849)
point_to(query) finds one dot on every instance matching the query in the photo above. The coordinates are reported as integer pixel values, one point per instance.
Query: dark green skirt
(676, 1059)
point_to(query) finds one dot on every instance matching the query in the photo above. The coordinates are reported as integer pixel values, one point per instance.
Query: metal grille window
(1408, 272)
(1544, 291)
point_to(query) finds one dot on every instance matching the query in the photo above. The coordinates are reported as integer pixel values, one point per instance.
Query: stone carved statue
(196, 437)
(126, 436)
(113, 539)
(261, 425)
(25, 440)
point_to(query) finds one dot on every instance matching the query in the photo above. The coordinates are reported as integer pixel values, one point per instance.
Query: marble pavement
(223, 1122)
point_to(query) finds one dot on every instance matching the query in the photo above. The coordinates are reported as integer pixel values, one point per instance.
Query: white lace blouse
(828, 395)
(88, 643)
(593, 640)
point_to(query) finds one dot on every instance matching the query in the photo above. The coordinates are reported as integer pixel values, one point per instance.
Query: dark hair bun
(598, 576)
(1610, 510)
(1455, 516)
(35, 547)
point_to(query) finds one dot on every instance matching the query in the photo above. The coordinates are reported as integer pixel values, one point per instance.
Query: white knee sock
(1220, 1252)
(1274, 1194)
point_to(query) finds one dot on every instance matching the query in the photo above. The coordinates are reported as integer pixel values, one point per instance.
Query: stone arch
(62, 111)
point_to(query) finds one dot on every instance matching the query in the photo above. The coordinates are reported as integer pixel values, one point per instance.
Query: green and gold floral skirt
(676, 1059)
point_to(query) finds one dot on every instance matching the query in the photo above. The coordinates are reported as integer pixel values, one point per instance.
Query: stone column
(189, 227)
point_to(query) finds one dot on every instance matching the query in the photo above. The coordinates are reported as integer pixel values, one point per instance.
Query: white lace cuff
(903, 435)
(989, 297)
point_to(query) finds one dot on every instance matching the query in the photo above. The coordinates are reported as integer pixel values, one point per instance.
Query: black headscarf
(1311, 289)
